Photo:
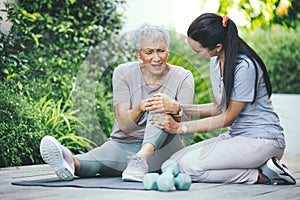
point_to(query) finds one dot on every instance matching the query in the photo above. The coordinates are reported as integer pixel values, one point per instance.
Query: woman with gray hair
(135, 146)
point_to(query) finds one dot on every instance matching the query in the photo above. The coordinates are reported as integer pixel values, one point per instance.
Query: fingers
(164, 122)
(154, 106)
(159, 121)
(154, 99)
(159, 103)
(159, 95)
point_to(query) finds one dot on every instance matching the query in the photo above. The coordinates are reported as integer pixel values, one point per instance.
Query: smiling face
(153, 56)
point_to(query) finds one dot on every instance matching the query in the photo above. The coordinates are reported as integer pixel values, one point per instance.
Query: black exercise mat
(96, 182)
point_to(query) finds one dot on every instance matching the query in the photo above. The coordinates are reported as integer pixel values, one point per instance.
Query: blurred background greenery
(55, 82)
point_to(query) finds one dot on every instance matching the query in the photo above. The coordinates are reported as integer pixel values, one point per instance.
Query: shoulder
(246, 64)
(126, 71)
(245, 61)
(180, 70)
(126, 68)
(246, 69)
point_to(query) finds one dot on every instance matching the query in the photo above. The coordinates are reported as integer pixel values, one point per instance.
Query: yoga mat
(95, 182)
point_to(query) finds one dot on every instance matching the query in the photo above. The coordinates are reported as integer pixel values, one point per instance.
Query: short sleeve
(244, 82)
(121, 91)
(186, 91)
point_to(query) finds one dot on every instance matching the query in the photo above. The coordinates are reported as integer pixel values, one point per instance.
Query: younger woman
(251, 149)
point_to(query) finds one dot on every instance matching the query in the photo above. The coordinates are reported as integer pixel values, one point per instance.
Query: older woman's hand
(166, 123)
(161, 103)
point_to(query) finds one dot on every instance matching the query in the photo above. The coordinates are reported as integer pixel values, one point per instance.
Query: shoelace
(136, 161)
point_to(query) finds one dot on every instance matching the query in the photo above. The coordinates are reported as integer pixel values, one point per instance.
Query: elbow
(125, 127)
(122, 127)
(228, 122)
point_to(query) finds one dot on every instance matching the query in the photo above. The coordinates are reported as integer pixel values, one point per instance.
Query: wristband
(183, 127)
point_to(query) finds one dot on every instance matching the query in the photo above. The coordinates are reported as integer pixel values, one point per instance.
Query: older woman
(134, 144)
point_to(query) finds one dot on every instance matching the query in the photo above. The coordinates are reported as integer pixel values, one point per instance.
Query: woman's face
(199, 50)
(154, 55)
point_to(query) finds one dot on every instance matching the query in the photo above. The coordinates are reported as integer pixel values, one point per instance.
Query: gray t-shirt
(129, 86)
(256, 120)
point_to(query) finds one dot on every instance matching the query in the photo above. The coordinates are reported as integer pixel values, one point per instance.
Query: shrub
(280, 51)
(20, 129)
(50, 39)
(62, 123)
(42, 54)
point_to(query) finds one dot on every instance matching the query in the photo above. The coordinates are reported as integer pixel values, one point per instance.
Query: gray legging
(111, 158)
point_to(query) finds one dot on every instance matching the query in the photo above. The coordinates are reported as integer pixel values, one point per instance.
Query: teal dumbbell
(170, 167)
(165, 181)
(149, 181)
(169, 178)
(183, 181)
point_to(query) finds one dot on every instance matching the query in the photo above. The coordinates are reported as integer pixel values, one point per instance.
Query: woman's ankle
(262, 179)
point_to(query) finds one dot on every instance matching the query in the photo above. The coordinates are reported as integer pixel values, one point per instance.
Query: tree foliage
(50, 39)
(281, 54)
(269, 21)
(264, 13)
(39, 61)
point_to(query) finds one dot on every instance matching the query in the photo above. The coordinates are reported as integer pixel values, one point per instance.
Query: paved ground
(199, 191)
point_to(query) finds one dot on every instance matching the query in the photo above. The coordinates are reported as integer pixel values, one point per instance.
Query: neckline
(159, 85)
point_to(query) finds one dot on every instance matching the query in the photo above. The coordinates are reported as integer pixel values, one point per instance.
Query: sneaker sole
(277, 170)
(51, 153)
(130, 177)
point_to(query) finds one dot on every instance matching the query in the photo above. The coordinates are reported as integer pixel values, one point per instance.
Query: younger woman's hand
(165, 122)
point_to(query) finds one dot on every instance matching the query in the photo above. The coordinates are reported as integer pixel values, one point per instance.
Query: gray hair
(150, 32)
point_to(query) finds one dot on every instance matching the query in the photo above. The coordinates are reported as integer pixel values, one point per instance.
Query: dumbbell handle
(165, 182)
(170, 167)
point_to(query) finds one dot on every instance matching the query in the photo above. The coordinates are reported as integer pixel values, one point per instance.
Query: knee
(195, 171)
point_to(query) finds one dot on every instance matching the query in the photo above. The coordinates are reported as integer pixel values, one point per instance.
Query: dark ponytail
(209, 30)
(230, 46)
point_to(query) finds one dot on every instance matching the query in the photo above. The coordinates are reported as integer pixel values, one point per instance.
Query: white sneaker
(277, 173)
(58, 157)
(136, 169)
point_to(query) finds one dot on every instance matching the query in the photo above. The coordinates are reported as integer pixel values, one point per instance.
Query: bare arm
(224, 119)
(201, 110)
(163, 104)
(128, 117)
